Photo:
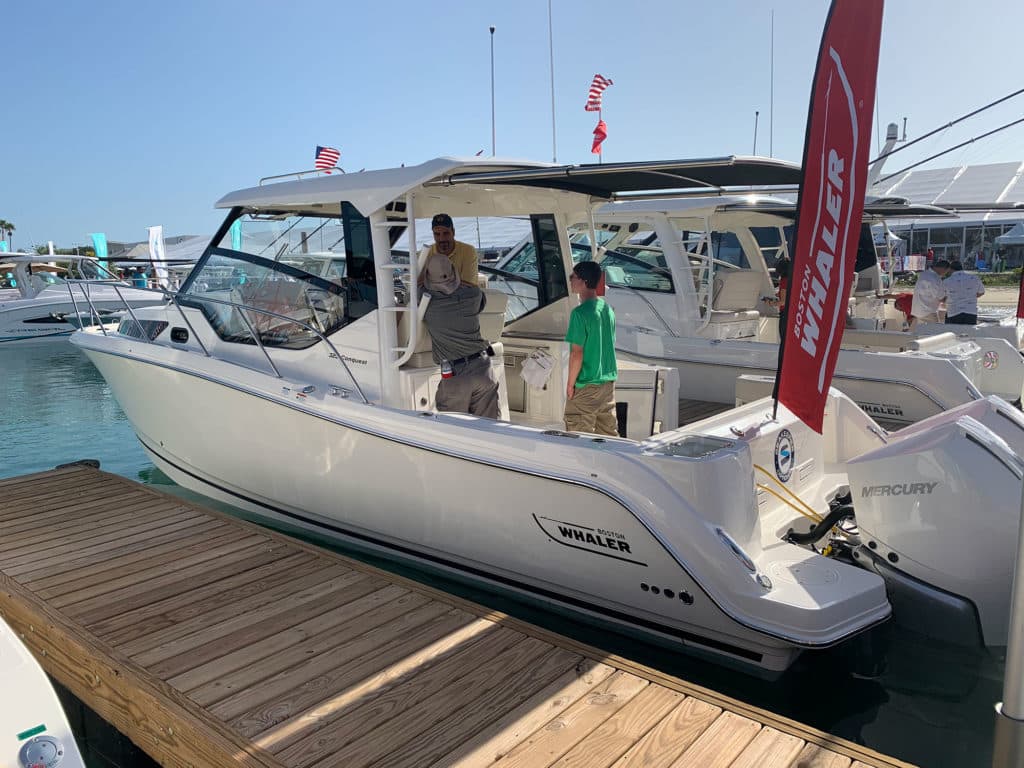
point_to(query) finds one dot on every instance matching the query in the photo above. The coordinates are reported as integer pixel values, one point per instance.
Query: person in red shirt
(782, 269)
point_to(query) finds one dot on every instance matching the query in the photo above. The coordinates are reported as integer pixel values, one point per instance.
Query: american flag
(596, 89)
(327, 158)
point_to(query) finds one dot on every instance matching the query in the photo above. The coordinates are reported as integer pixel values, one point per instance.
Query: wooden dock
(208, 641)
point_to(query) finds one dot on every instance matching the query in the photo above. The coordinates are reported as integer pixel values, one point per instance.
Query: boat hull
(561, 539)
(897, 389)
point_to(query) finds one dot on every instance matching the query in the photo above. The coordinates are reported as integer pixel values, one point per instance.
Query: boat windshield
(282, 302)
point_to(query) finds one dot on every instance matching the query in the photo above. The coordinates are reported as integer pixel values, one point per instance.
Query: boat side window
(533, 275)
(866, 256)
(523, 262)
(769, 240)
(552, 282)
(359, 268)
(250, 295)
(727, 249)
(622, 270)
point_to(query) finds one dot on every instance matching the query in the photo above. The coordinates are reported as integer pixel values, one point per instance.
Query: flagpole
(551, 57)
(771, 86)
(492, 93)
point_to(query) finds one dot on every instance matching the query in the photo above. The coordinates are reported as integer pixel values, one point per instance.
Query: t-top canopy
(883, 209)
(610, 179)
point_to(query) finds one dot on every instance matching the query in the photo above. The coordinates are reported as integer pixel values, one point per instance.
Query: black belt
(471, 358)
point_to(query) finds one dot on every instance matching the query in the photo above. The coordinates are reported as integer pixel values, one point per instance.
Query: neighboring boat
(34, 730)
(308, 400)
(53, 295)
(688, 278)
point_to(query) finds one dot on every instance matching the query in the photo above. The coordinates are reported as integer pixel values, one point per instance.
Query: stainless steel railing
(173, 298)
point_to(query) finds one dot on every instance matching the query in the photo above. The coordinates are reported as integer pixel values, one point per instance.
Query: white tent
(1014, 237)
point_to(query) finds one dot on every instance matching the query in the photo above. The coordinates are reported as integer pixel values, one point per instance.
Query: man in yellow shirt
(462, 255)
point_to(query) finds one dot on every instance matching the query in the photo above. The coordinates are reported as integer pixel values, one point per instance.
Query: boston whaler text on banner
(830, 205)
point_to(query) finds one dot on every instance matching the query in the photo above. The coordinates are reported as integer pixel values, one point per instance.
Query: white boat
(34, 730)
(687, 278)
(302, 400)
(54, 294)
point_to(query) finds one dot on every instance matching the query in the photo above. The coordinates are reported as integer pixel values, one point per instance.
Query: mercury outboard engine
(938, 510)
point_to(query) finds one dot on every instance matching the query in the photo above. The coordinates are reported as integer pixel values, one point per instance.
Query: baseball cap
(442, 220)
(440, 275)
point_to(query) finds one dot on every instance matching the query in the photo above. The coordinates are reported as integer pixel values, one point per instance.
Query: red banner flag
(830, 205)
(600, 134)
(1020, 296)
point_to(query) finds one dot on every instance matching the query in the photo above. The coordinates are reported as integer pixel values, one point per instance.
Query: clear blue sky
(118, 116)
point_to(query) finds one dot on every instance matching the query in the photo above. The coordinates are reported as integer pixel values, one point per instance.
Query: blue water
(932, 705)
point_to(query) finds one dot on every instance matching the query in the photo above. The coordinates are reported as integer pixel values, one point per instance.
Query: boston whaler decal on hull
(596, 540)
(881, 409)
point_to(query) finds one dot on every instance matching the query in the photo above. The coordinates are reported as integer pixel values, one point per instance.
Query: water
(932, 705)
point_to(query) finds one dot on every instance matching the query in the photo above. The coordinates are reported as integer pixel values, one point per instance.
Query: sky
(120, 116)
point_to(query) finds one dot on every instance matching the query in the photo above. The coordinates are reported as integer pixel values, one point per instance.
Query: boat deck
(208, 640)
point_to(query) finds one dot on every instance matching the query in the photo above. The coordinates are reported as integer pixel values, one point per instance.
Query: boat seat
(735, 296)
(736, 290)
(492, 323)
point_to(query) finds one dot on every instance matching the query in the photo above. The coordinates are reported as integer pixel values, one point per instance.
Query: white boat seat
(492, 323)
(736, 290)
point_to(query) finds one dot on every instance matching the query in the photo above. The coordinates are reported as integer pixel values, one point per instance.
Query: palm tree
(8, 228)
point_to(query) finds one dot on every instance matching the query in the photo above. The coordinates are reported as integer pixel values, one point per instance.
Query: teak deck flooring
(208, 640)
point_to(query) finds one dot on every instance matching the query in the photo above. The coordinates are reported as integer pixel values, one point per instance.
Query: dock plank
(720, 744)
(136, 559)
(313, 728)
(406, 719)
(96, 552)
(814, 756)
(211, 641)
(501, 694)
(663, 744)
(585, 716)
(153, 590)
(769, 749)
(205, 597)
(622, 730)
(108, 583)
(259, 712)
(211, 682)
(179, 655)
(490, 744)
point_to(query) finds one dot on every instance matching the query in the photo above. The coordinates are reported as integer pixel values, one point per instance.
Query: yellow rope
(815, 517)
(809, 510)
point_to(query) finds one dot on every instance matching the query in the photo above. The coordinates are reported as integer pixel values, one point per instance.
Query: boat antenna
(756, 113)
(947, 125)
(492, 92)
(771, 84)
(951, 149)
(551, 58)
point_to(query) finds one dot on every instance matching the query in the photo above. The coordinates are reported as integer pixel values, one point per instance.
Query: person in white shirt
(929, 292)
(962, 292)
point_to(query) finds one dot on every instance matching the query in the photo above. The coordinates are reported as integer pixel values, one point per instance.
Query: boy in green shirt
(590, 392)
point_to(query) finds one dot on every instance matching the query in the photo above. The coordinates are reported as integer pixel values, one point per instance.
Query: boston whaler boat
(55, 294)
(309, 401)
(688, 276)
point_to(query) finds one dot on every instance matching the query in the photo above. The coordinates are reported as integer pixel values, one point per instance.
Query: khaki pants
(472, 389)
(592, 409)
